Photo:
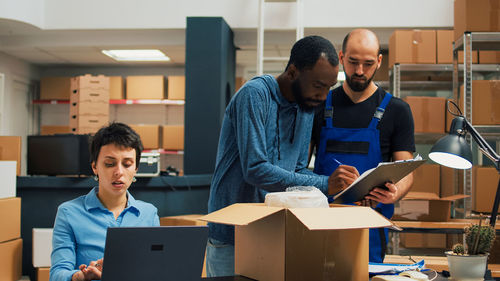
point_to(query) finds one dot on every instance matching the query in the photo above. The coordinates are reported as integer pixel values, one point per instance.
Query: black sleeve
(403, 137)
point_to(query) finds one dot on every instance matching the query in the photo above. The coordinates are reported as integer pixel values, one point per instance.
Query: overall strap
(329, 110)
(379, 113)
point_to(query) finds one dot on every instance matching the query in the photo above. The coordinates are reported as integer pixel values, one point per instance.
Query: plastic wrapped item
(297, 197)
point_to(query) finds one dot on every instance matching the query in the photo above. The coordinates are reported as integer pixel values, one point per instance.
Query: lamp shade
(452, 151)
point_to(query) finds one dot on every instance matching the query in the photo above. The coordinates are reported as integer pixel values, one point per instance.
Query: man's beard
(359, 86)
(299, 98)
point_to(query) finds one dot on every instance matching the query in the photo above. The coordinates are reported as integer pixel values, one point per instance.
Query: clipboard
(378, 176)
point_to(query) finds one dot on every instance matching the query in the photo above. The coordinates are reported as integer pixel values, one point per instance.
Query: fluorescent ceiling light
(136, 55)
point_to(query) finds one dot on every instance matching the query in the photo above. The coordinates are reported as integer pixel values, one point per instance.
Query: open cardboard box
(425, 206)
(275, 243)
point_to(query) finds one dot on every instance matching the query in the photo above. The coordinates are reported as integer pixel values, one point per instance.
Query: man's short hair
(118, 134)
(307, 51)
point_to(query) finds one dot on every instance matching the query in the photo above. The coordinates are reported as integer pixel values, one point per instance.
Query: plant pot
(467, 267)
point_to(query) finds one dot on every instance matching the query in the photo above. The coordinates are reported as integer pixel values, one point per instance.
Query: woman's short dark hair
(118, 134)
(307, 51)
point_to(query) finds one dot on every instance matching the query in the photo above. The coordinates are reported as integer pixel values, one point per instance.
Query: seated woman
(81, 224)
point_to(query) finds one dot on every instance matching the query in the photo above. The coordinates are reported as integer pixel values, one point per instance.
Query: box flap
(340, 218)
(412, 195)
(240, 214)
(455, 197)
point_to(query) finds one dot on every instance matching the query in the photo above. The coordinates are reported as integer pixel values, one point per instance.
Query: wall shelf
(121, 101)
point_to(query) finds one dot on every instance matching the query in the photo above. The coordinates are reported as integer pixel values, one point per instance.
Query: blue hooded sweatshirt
(263, 147)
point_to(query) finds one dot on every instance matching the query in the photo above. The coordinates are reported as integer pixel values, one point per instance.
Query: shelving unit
(121, 101)
(462, 74)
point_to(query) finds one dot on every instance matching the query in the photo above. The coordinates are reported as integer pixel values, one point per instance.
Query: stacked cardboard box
(89, 103)
(116, 88)
(55, 88)
(176, 87)
(476, 16)
(485, 102)
(11, 243)
(428, 113)
(42, 249)
(150, 135)
(412, 46)
(173, 137)
(10, 150)
(146, 87)
(484, 188)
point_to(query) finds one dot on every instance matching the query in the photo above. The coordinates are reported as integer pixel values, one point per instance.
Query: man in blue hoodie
(264, 140)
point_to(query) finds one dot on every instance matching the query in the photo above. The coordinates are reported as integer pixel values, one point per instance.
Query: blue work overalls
(358, 147)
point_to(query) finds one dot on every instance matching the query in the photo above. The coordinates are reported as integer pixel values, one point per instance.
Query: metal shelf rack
(462, 75)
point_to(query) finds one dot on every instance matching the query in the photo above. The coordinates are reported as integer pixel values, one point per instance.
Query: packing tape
(416, 41)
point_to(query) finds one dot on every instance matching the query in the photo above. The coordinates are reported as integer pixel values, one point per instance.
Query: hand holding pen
(341, 178)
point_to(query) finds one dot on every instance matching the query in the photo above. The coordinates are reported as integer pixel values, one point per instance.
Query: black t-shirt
(396, 126)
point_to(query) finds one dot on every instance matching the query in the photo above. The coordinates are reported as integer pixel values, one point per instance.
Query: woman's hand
(91, 272)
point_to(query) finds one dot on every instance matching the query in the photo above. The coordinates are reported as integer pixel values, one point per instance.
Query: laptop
(154, 253)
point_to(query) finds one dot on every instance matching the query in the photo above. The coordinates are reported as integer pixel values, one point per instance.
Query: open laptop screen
(154, 253)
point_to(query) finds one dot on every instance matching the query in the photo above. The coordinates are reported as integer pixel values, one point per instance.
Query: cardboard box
(53, 130)
(10, 216)
(273, 243)
(182, 220)
(451, 181)
(489, 57)
(42, 246)
(9, 179)
(423, 206)
(55, 88)
(412, 46)
(89, 108)
(476, 15)
(146, 87)
(475, 56)
(444, 50)
(85, 130)
(10, 150)
(150, 135)
(11, 253)
(89, 95)
(89, 82)
(176, 87)
(423, 240)
(90, 123)
(43, 274)
(485, 102)
(116, 88)
(173, 137)
(240, 81)
(485, 182)
(428, 113)
(426, 179)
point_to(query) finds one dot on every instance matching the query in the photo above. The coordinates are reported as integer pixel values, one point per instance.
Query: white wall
(15, 107)
(132, 14)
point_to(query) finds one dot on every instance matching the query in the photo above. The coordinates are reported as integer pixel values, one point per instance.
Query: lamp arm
(483, 145)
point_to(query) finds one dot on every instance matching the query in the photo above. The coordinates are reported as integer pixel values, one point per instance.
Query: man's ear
(379, 61)
(341, 57)
(292, 72)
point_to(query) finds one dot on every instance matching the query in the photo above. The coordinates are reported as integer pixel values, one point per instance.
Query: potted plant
(469, 262)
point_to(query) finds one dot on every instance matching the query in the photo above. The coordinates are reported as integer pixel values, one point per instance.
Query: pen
(337, 161)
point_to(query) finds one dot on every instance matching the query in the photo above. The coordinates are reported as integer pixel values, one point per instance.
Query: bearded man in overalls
(360, 126)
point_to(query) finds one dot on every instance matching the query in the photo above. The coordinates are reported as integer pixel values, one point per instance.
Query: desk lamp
(453, 151)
